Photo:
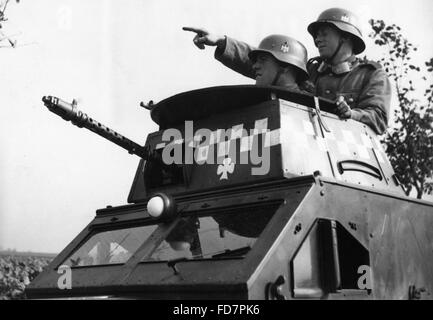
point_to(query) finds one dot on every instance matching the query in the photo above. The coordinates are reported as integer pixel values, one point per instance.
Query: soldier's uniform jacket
(363, 83)
(235, 56)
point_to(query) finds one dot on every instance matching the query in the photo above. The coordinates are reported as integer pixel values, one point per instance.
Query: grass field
(17, 270)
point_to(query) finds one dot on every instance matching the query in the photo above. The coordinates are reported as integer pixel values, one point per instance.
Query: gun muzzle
(68, 111)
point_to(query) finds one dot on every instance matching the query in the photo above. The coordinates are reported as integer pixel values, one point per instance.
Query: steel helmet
(345, 21)
(284, 49)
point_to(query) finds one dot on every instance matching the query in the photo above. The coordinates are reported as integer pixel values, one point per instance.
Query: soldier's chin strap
(338, 68)
(340, 44)
(277, 77)
(328, 62)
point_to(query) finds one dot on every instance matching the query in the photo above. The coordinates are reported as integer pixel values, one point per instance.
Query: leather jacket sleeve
(235, 56)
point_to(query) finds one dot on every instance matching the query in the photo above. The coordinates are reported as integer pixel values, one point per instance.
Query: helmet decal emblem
(285, 47)
(226, 167)
(345, 18)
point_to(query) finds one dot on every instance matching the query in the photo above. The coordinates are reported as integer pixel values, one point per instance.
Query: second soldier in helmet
(360, 88)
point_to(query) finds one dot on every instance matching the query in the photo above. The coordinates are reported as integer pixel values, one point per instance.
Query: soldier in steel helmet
(360, 88)
(281, 61)
(278, 60)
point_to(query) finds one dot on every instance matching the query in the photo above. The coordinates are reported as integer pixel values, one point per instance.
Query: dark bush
(16, 272)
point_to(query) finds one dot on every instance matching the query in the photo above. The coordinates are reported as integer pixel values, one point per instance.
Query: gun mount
(321, 217)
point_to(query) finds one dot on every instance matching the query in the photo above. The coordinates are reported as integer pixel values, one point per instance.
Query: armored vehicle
(250, 192)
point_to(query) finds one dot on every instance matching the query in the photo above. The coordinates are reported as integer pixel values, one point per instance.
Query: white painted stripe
(272, 138)
(267, 139)
(203, 153)
(195, 142)
(245, 142)
(223, 148)
(236, 132)
(260, 126)
(179, 141)
(215, 136)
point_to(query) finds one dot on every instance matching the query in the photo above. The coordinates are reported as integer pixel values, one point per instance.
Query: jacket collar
(342, 67)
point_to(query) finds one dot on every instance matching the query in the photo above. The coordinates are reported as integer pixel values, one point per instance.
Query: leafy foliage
(17, 272)
(409, 144)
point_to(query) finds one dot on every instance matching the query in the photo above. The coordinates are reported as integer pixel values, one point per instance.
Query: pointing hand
(203, 37)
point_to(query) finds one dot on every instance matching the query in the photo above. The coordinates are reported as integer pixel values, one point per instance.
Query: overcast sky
(110, 55)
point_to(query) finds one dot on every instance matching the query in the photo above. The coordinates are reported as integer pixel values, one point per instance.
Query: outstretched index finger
(196, 30)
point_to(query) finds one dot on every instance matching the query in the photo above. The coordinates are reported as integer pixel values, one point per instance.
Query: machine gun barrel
(70, 112)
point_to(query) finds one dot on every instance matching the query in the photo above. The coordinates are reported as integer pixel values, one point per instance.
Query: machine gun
(70, 112)
(158, 172)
